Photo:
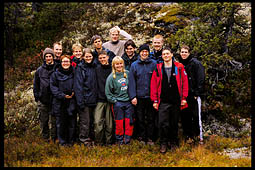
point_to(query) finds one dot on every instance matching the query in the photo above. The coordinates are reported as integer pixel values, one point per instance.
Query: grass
(31, 151)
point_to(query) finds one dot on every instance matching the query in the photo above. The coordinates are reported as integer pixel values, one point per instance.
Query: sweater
(116, 89)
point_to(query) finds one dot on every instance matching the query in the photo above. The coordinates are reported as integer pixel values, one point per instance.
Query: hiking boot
(163, 148)
(150, 142)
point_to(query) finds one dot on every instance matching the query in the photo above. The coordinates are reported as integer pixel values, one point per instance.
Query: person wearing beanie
(191, 116)
(97, 42)
(64, 102)
(43, 95)
(116, 45)
(139, 92)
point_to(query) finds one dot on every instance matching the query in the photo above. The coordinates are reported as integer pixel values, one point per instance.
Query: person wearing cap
(115, 44)
(169, 90)
(64, 102)
(139, 92)
(43, 95)
(191, 116)
(97, 42)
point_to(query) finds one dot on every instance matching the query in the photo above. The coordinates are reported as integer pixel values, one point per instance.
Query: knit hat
(144, 47)
(48, 51)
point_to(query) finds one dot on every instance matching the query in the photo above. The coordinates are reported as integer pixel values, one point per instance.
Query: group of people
(119, 94)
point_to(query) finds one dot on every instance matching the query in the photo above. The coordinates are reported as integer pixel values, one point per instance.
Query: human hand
(134, 101)
(183, 102)
(155, 105)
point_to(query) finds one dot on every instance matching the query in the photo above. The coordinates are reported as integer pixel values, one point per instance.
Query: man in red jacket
(169, 90)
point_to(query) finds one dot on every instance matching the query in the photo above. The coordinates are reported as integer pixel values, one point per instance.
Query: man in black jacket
(191, 116)
(43, 96)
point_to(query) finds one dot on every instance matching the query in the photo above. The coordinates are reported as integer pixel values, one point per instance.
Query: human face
(97, 44)
(167, 56)
(65, 63)
(57, 50)
(130, 51)
(103, 59)
(114, 35)
(88, 57)
(157, 44)
(144, 54)
(48, 59)
(184, 53)
(77, 53)
(119, 66)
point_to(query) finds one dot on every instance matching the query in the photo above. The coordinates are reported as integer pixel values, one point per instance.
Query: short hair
(128, 43)
(95, 37)
(167, 48)
(185, 47)
(65, 56)
(57, 43)
(114, 29)
(102, 52)
(158, 36)
(87, 50)
(75, 46)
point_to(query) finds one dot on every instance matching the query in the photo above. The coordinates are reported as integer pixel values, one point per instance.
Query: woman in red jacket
(169, 90)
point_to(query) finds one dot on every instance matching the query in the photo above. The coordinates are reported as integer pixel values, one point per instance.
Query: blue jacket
(140, 77)
(61, 84)
(85, 84)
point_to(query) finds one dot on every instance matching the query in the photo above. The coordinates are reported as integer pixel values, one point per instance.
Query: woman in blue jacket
(85, 88)
(61, 85)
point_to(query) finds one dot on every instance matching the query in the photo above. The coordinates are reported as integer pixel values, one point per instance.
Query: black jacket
(196, 75)
(85, 84)
(129, 61)
(61, 84)
(41, 83)
(102, 72)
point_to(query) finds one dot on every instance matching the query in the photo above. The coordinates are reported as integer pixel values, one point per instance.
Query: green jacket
(117, 89)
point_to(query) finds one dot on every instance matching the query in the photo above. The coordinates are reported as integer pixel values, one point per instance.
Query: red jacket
(181, 78)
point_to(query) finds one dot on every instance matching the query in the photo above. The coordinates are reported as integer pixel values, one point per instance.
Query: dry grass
(31, 151)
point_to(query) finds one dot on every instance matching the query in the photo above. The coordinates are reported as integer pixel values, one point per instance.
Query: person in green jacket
(116, 93)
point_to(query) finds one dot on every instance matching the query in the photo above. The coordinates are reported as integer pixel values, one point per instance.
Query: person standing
(85, 88)
(43, 95)
(103, 119)
(116, 45)
(139, 92)
(117, 94)
(191, 116)
(64, 102)
(169, 90)
(130, 55)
